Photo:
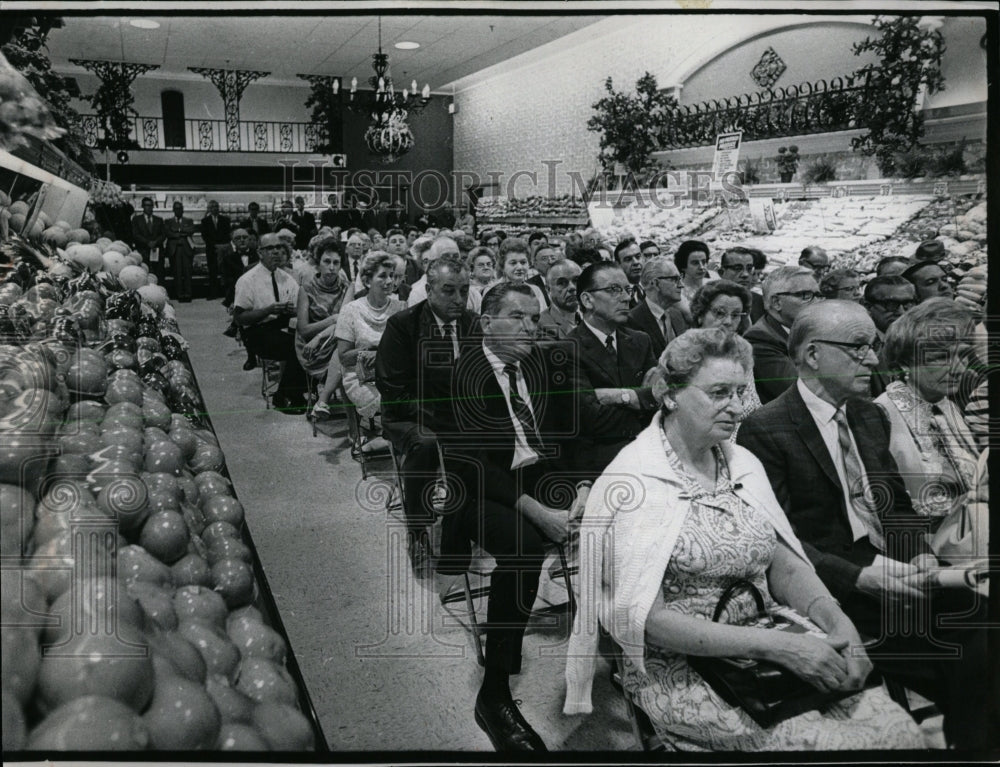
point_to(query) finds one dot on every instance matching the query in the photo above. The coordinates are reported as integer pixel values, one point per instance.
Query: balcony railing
(796, 110)
(211, 135)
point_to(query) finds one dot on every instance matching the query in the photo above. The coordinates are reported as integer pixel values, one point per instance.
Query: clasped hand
(830, 664)
(282, 307)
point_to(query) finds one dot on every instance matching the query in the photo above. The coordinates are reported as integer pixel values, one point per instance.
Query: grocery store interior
(268, 565)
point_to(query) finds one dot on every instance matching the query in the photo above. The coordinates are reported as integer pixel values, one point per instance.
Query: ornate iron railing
(795, 110)
(212, 136)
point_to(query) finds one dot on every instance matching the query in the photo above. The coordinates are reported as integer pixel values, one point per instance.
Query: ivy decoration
(630, 125)
(908, 59)
(327, 114)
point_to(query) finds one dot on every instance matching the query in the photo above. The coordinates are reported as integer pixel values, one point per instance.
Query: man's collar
(601, 335)
(495, 362)
(657, 310)
(820, 408)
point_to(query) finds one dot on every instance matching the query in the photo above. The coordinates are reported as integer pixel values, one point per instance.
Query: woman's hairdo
(321, 243)
(685, 250)
(374, 261)
(937, 323)
(708, 292)
(685, 355)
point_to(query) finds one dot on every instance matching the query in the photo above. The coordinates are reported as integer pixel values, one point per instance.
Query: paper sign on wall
(727, 154)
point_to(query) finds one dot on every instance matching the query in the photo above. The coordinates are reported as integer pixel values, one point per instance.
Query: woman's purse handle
(733, 589)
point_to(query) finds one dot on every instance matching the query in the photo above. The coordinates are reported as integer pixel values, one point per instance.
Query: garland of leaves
(327, 116)
(26, 50)
(908, 58)
(630, 124)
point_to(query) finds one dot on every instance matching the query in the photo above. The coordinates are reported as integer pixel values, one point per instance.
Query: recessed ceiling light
(407, 46)
(144, 23)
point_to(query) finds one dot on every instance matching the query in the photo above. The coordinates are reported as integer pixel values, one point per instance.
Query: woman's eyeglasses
(721, 315)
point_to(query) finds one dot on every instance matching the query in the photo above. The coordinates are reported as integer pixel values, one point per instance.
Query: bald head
(825, 319)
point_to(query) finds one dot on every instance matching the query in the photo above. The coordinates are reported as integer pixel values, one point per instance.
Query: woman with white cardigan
(679, 515)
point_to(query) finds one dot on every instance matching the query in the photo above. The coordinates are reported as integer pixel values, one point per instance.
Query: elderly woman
(844, 284)
(675, 519)
(319, 304)
(359, 330)
(482, 268)
(929, 439)
(726, 305)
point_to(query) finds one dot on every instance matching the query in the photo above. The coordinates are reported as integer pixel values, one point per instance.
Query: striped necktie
(522, 411)
(857, 488)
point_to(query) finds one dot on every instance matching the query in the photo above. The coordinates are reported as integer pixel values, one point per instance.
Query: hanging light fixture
(388, 133)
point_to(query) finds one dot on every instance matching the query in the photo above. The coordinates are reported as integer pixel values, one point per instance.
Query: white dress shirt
(602, 336)
(823, 414)
(254, 289)
(453, 324)
(523, 454)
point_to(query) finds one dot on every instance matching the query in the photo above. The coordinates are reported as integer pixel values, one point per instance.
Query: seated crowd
(823, 439)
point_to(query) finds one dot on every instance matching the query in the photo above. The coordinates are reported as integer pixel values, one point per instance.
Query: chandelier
(388, 133)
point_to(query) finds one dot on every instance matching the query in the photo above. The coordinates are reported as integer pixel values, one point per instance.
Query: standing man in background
(179, 249)
(148, 234)
(306, 223)
(215, 231)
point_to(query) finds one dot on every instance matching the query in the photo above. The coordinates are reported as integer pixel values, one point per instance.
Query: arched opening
(172, 103)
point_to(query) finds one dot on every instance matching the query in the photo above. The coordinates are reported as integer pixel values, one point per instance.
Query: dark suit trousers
(519, 550)
(269, 341)
(183, 261)
(417, 449)
(945, 663)
(211, 260)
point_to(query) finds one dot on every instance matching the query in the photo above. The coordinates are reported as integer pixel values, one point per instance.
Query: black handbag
(769, 693)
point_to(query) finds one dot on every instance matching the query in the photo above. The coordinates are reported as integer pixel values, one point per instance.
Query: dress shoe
(230, 331)
(250, 364)
(501, 720)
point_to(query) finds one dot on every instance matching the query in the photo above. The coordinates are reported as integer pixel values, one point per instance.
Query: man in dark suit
(179, 248)
(306, 223)
(254, 223)
(737, 266)
(148, 235)
(563, 312)
(629, 258)
(215, 231)
(331, 215)
(659, 314)
(786, 291)
(516, 425)
(613, 361)
(825, 447)
(886, 298)
(413, 368)
(540, 258)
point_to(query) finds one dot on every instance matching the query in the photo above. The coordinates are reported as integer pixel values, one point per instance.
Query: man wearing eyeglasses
(738, 266)
(825, 447)
(814, 257)
(659, 314)
(886, 298)
(786, 291)
(613, 361)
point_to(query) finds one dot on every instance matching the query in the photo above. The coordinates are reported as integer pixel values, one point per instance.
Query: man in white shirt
(517, 426)
(265, 301)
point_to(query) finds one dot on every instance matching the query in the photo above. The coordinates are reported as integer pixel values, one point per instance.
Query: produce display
(134, 619)
(22, 112)
(535, 206)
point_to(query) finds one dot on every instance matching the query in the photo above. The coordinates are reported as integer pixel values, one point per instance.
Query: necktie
(447, 331)
(856, 489)
(668, 331)
(149, 221)
(609, 344)
(274, 286)
(522, 411)
(577, 318)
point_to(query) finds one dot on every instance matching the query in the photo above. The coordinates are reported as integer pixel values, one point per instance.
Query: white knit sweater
(634, 514)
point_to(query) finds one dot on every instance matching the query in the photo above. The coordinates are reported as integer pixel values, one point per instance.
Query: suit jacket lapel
(651, 326)
(599, 355)
(810, 435)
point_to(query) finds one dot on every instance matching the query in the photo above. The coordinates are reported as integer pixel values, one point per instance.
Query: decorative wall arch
(689, 67)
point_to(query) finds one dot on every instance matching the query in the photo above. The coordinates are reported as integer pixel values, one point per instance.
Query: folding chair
(361, 431)
(468, 594)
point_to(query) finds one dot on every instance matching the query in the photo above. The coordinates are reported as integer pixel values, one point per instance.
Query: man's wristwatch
(626, 397)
